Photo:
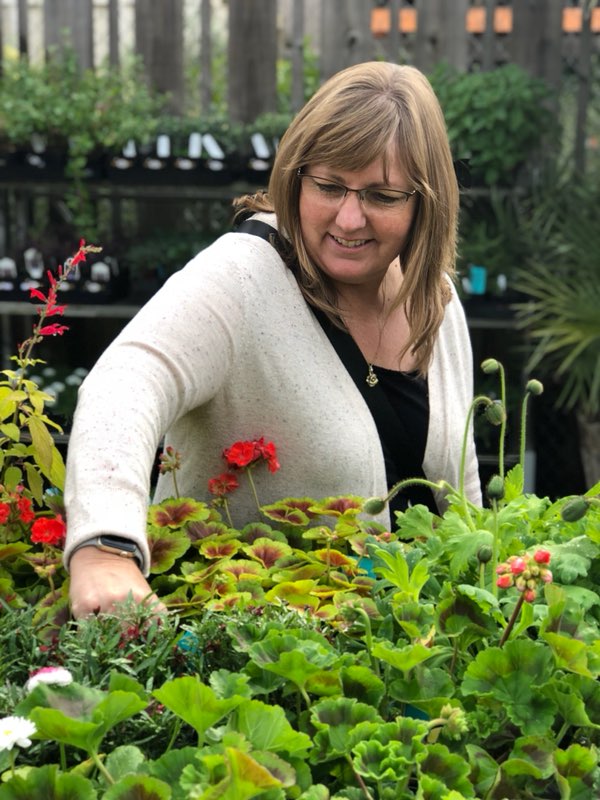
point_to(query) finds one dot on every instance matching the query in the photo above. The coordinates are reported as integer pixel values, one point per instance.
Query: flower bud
(495, 488)
(484, 554)
(496, 413)
(547, 576)
(517, 565)
(542, 556)
(374, 505)
(574, 509)
(534, 387)
(490, 366)
(504, 581)
(530, 595)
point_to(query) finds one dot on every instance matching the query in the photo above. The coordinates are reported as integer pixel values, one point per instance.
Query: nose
(351, 214)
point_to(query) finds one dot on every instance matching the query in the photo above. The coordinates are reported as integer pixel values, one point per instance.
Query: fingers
(101, 581)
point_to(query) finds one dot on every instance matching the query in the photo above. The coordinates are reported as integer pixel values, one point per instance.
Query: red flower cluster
(525, 573)
(49, 530)
(22, 505)
(223, 484)
(245, 454)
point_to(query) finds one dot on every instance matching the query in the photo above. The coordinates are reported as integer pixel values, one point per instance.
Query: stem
(253, 487)
(175, 734)
(175, 486)
(359, 779)
(368, 637)
(523, 437)
(512, 620)
(503, 423)
(463, 454)
(227, 512)
(63, 757)
(494, 559)
(482, 575)
(101, 768)
(561, 734)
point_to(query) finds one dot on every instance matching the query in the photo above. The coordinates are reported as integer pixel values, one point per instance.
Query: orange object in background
(475, 20)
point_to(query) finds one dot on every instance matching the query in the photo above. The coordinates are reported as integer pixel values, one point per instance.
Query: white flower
(57, 676)
(15, 731)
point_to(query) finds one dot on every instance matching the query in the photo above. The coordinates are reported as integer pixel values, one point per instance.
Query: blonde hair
(347, 124)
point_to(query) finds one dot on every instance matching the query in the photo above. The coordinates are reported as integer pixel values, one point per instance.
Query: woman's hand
(101, 580)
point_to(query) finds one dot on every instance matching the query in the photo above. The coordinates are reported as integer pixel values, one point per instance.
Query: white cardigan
(229, 350)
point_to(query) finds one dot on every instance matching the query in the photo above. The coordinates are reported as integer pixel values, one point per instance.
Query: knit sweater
(229, 350)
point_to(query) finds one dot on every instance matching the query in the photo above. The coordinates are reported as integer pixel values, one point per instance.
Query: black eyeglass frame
(360, 192)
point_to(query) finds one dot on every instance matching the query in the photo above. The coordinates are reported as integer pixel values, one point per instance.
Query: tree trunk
(252, 58)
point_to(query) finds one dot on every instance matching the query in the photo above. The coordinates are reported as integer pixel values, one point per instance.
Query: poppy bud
(490, 366)
(574, 509)
(534, 387)
(374, 505)
(484, 554)
(495, 488)
(495, 413)
(542, 556)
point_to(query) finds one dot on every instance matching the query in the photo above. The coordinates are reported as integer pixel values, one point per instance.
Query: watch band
(117, 545)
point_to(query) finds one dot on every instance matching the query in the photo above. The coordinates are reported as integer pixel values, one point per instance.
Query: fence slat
(159, 41)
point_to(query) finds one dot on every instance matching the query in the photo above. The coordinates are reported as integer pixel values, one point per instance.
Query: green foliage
(560, 313)
(313, 654)
(496, 120)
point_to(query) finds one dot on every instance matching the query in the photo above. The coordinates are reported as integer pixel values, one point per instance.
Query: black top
(408, 397)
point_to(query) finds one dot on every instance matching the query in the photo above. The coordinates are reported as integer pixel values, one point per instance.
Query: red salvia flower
(49, 530)
(53, 330)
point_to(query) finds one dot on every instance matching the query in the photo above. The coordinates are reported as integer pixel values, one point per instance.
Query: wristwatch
(116, 545)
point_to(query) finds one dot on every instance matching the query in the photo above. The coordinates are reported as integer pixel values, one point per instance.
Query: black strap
(349, 353)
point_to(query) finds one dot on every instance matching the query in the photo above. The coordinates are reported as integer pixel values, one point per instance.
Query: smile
(350, 242)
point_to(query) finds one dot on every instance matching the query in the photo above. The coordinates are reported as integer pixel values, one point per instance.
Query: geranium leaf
(166, 547)
(511, 676)
(298, 593)
(267, 551)
(195, 703)
(577, 770)
(571, 654)
(362, 683)
(140, 787)
(170, 765)
(175, 513)
(537, 751)
(452, 770)
(266, 727)
(404, 658)
(46, 782)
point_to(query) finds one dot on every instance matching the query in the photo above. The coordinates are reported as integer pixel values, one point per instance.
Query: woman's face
(354, 241)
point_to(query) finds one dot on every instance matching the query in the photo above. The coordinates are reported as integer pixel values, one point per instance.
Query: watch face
(114, 544)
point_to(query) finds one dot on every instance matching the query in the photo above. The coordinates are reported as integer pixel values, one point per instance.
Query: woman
(236, 345)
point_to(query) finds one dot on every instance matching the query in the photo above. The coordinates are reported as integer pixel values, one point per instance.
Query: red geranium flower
(223, 484)
(4, 512)
(244, 454)
(48, 530)
(26, 513)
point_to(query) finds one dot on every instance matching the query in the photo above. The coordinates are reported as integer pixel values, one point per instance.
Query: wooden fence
(543, 36)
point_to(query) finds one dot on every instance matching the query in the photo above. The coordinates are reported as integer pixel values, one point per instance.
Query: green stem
(495, 543)
(562, 732)
(465, 441)
(359, 779)
(503, 423)
(482, 575)
(523, 434)
(227, 512)
(101, 768)
(63, 757)
(253, 487)
(175, 734)
(512, 620)
(175, 486)
(368, 637)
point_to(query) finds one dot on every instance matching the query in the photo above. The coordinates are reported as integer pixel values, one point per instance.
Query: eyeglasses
(332, 193)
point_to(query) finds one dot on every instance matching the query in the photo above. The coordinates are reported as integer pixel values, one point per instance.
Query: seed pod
(495, 488)
(374, 505)
(574, 509)
(496, 413)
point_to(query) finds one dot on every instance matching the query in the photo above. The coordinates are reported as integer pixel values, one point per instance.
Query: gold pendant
(371, 379)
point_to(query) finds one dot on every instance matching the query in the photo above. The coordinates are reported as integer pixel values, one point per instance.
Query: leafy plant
(315, 655)
(497, 120)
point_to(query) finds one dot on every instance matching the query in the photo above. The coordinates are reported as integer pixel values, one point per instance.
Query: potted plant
(312, 654)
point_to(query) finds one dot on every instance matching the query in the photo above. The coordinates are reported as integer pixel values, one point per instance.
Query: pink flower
(504, 581)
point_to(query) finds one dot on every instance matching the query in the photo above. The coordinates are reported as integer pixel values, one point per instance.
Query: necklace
(372, 380)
